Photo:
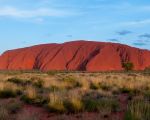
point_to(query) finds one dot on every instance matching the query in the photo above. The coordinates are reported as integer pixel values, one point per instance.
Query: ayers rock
(76, 55)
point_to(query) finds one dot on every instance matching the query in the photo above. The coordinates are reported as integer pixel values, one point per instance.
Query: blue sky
(29, 22)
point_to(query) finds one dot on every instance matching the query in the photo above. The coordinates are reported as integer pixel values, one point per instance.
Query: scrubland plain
(33, 95)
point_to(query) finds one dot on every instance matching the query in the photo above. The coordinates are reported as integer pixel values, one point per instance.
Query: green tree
(147, 69)
(128, 66)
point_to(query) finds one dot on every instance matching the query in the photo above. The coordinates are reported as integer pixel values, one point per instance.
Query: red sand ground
(77, 55)
(42, 114)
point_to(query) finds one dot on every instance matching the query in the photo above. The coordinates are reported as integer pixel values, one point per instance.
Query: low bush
(31, 97)
(125, 90)
(69, 79)
(104, 86)
(72, 82)
(19, 81)
(39, 100)
(94, 86)
(99, 105)
(56, 103)
(78, 84)
(73, 105)
(8, 90)
(138, 110)
(128, 66)
(129, 91)
(147, 95)
(57, 107)
(39, 83)
(54, 88)
(7, 93)
(52, 73)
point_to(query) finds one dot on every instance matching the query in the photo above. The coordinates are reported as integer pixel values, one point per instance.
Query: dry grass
(138, 110)
(9, 90)
(56, 102)
(31, 92)
(4, 115)
(75, 92)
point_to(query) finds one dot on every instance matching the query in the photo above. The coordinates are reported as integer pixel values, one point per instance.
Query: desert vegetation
(74, 95)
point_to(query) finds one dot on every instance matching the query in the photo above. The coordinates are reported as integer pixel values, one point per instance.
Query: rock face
(77, 55)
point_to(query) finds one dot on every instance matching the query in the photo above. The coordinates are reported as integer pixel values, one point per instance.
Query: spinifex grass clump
(52, 73)
(94, 86)
(71, 81)
(105, 86)
(74, 105)
(8, 90)
(138, 110)
(31, 96)
(100, 105)
(19, 81)
(147, 95)
(38, 83)
(56, 102)
(65, 102)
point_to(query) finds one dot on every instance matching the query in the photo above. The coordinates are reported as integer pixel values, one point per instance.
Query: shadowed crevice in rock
(53, 57)
(74, 56)
(82, 67)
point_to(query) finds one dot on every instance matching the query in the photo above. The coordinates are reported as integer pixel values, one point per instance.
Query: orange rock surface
(77, 55)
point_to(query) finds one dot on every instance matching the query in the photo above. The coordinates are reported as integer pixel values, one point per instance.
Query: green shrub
(129, 91)
(52, 73)
(57, 107)
(128, 66)
(72, 82)
(56, 103)
(78, 84)
(147, 95)
(105, 87)
(54, 88)
(39, 100)
(138, 110)
(125, 90)
(39, 83)
(147, 69)
(73, 105)
(91, 105)
(19, 81)
(94, 86)
(7, 93)
(99, 105)
(69, 79)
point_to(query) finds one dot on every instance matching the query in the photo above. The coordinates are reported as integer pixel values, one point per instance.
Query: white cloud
(34, 13)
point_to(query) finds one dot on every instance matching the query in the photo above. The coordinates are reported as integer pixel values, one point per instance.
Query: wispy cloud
(113, 40)
(69, 36)
(146, 35)
(139, 44)
(33, 13)
(124, 32)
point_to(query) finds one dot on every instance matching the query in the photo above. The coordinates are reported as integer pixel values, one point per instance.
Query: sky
(31, 22)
